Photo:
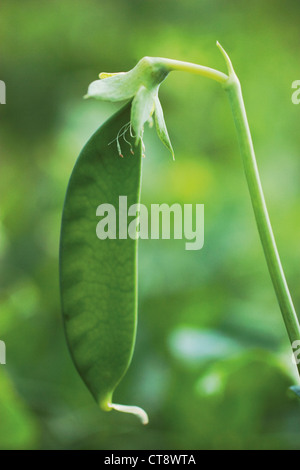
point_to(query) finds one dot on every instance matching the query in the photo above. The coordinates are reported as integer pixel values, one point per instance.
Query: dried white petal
(141, 110)
(135, 410)
(161, 127)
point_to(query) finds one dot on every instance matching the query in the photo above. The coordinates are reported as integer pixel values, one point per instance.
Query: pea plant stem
(178, 65)
(232, 85)
(260, 210)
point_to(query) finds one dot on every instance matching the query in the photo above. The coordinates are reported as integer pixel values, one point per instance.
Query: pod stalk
(135, 410)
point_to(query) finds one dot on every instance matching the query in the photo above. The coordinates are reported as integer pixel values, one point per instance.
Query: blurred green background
(212, 363)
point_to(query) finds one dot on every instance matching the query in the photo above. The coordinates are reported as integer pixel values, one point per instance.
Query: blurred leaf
(197, 346)
(18, 428)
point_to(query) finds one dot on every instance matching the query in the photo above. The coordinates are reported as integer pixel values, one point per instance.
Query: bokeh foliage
(212, 363)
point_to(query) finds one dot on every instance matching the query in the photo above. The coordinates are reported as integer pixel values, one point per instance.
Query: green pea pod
(98, 277)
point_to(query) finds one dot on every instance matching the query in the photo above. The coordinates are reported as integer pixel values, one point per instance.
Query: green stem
(233, 87)
(178, 65)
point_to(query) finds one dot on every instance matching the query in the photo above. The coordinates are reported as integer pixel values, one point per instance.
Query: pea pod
(98, 278)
